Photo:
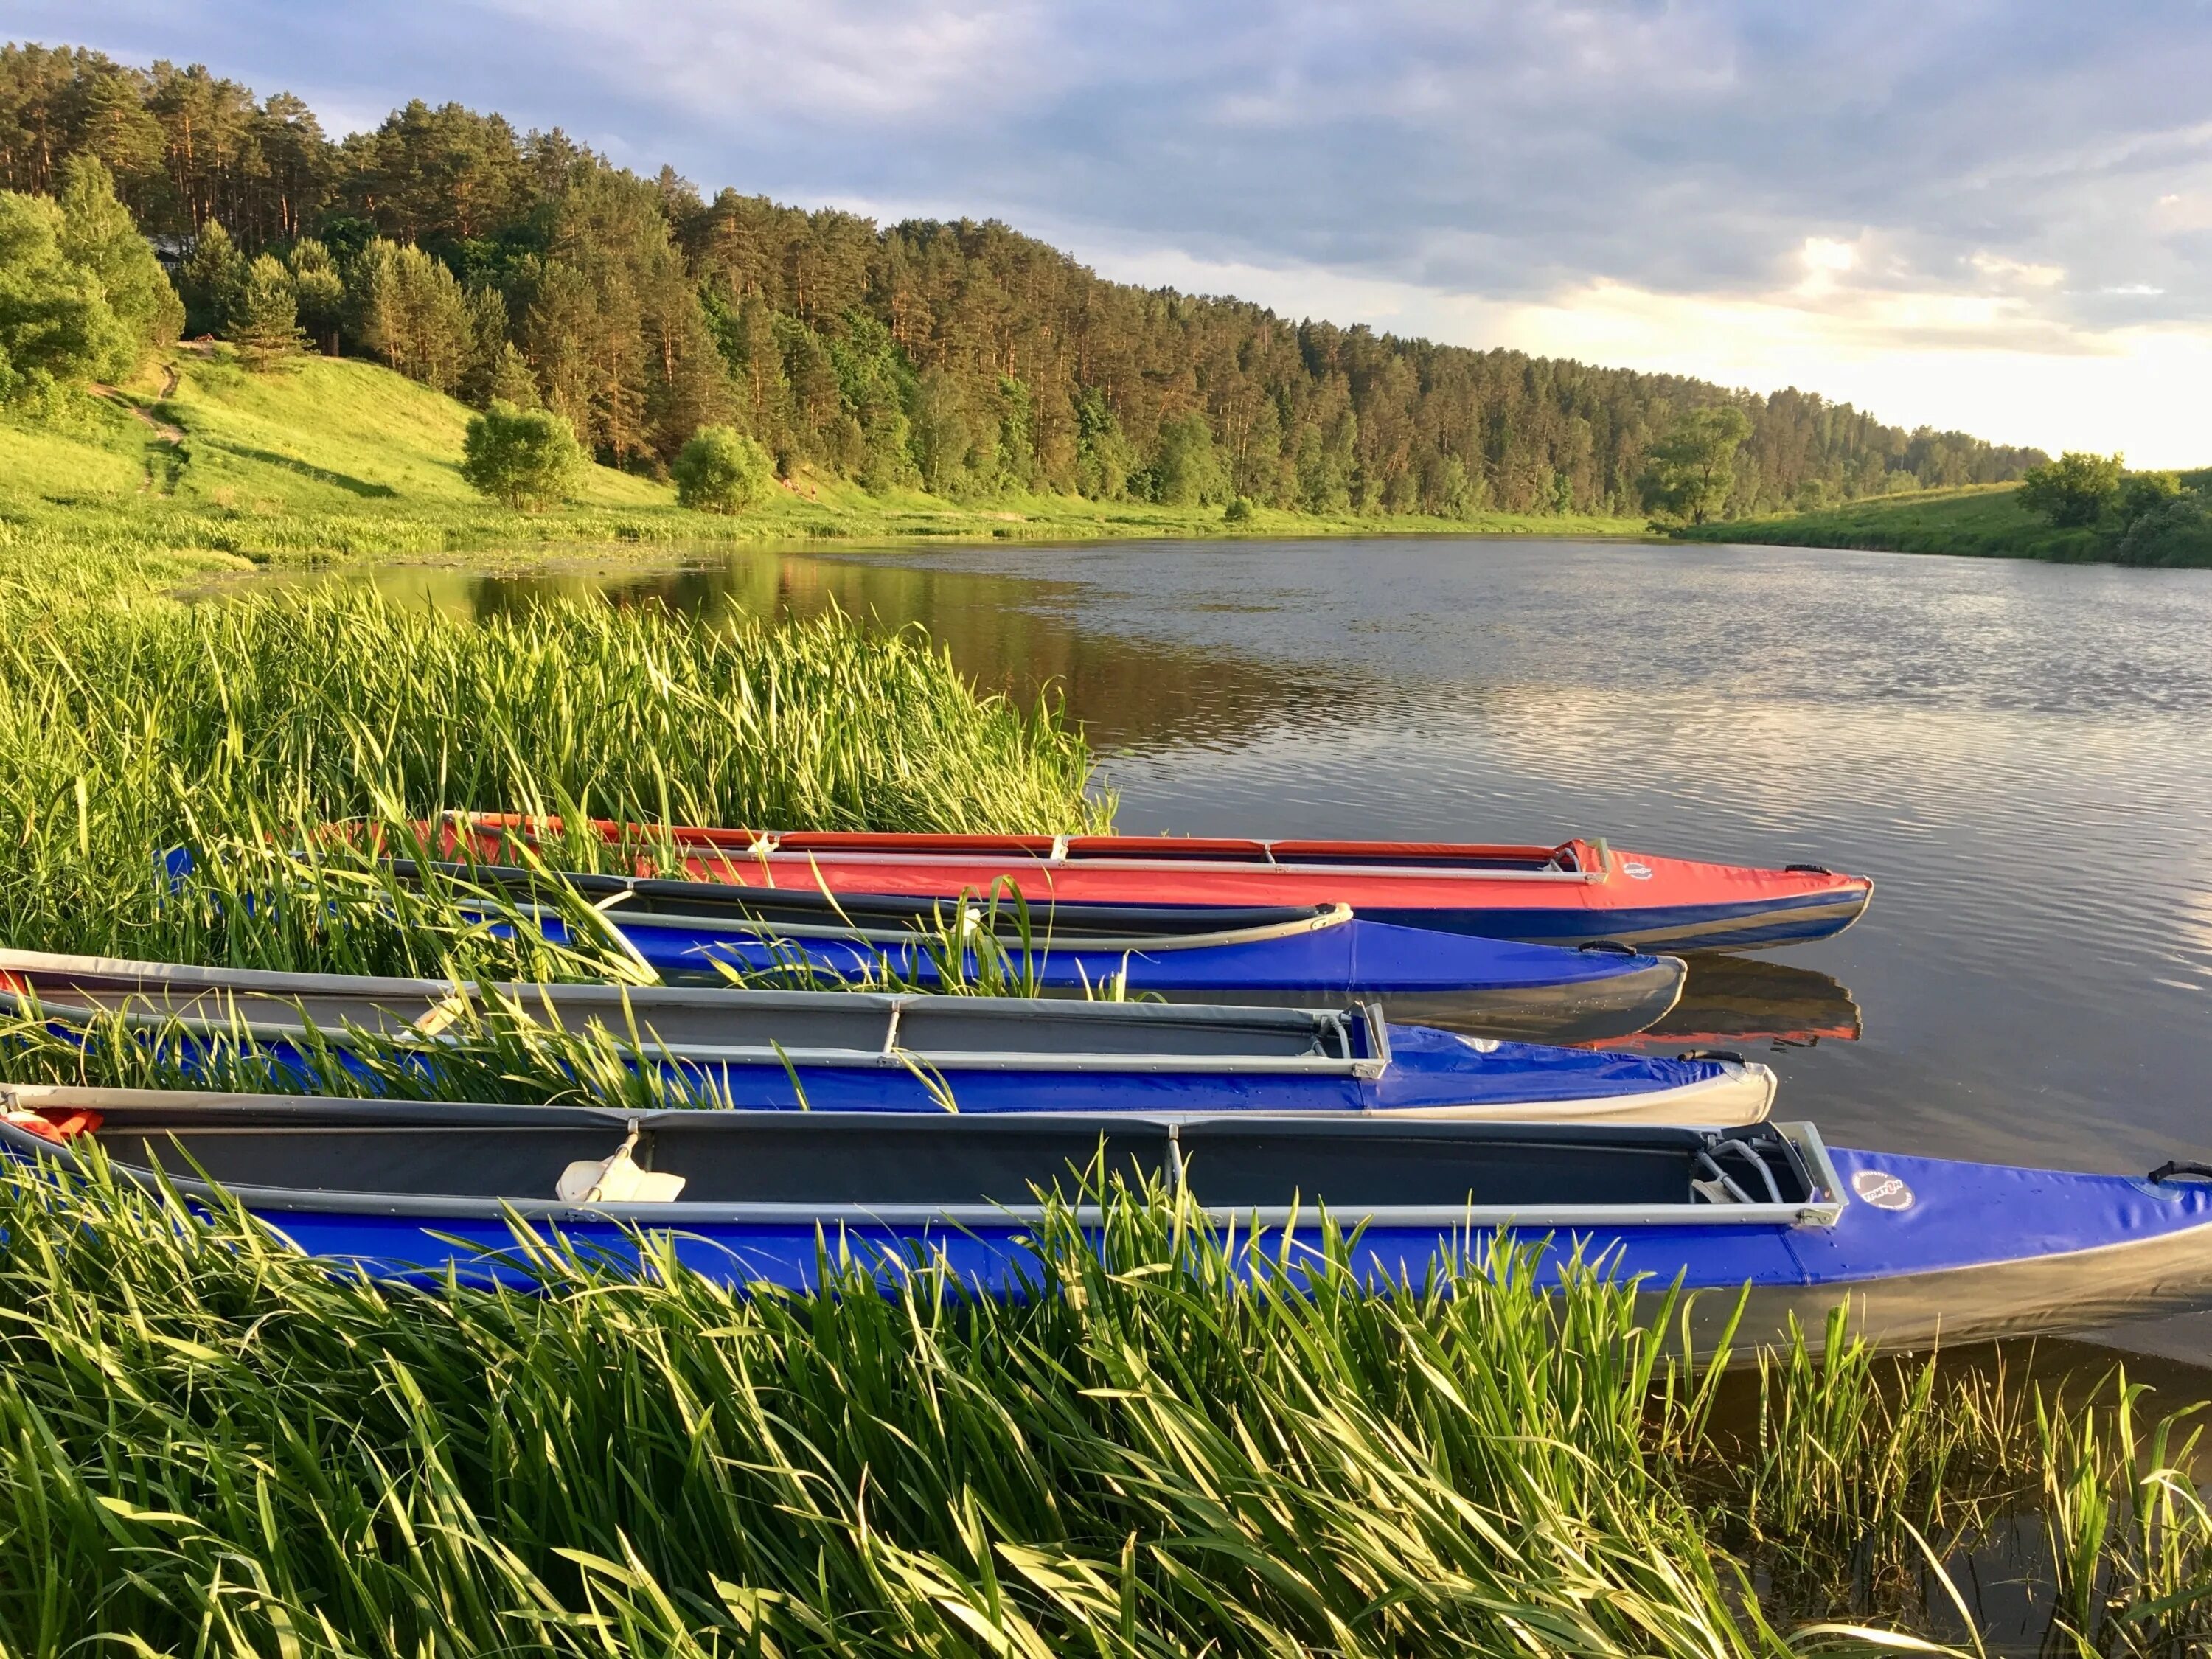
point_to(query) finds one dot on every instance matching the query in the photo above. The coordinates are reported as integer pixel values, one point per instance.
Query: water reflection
(1731, 1001)
(1024, 634)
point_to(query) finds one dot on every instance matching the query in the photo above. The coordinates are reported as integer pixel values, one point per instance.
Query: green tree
(265, 324)
(2142, 493)
(213, 274)
(99, 235)
(1189, 472)
(722, 470)
(319, 291)
(2177, 530)
(1103, 461)
(56, 327)
(525, 457)
(943, 437)
(511, 380)
(1688, 472)
(411, 314)
(2073, 490)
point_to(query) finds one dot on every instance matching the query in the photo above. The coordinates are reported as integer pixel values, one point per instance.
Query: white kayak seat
(616, 1179)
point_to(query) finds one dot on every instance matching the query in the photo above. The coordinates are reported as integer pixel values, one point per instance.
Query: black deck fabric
(406, 1149)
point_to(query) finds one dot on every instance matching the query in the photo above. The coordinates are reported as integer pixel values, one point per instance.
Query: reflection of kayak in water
(1734, 1000)
(1745, 997)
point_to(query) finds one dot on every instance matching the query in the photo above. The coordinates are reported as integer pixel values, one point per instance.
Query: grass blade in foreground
(204, 1436)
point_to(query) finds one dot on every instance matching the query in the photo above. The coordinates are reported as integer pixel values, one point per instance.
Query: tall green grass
(240, 728)
(209, 1444)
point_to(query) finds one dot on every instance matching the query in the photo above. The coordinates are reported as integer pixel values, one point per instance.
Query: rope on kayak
(2173, 1167)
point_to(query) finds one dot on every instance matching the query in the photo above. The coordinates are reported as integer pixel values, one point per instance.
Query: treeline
(965, 358)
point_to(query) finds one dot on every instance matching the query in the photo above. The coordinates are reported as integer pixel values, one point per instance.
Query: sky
(1982, 216)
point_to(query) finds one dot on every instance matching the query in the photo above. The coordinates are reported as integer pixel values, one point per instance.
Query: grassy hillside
(329, 459)
(1981, 521)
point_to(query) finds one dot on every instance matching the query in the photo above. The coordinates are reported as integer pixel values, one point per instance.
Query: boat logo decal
(1635, 871)
(1883, 1189)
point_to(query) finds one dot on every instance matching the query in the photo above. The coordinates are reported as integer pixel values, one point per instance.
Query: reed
(1170, 1446)
(240, 728)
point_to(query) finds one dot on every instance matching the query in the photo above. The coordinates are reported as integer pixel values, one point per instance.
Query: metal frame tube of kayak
(1333, 916)
(1328, 1027)
(816, 858)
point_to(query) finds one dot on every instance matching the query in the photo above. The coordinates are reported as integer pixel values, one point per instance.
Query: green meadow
(203, 461)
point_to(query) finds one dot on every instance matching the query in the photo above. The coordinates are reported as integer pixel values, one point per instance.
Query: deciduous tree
(524, 458)
(56, 327)
(1689, 471)
(98, 234)
(2073, 490)
(722, 470)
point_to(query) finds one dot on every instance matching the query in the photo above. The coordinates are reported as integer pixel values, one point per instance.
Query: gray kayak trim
(1327, 1036)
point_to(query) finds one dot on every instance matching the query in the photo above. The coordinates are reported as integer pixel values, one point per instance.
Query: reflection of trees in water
(1018, 634)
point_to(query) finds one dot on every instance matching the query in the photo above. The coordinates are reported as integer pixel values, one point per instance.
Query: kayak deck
(703, 931)
(1917, 1248)
(1576, 892)
(437, 1158)
(873, 1051)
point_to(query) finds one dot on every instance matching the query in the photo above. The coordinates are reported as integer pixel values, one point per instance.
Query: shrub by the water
(523, 458)
(722, 470)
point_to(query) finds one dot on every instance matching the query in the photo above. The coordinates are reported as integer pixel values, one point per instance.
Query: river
(2020, 754)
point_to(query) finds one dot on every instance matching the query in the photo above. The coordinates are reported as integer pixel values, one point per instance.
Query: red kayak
(1578, 893)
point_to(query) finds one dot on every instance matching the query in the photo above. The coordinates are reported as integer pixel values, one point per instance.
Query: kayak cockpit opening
(436, 1158)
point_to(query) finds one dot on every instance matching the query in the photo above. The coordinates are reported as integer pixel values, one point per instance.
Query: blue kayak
(876, 1051)
(1181, 953)
(1916, 1246)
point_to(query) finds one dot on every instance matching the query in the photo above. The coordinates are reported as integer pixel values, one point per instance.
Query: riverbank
(1981, 522)
(325, 460)
(1151, 1457)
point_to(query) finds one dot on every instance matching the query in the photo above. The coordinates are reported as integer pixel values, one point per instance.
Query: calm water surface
(2020, 754)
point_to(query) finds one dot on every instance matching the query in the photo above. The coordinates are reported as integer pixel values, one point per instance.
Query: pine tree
(319, 292)
(512, 382)
(412, 313)
(265, 322)
(214, 277)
